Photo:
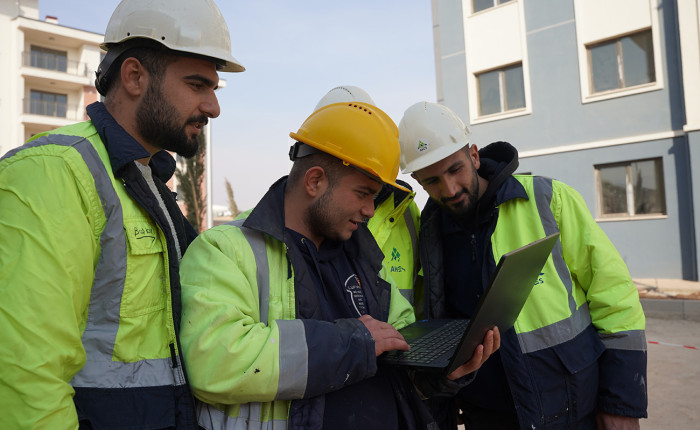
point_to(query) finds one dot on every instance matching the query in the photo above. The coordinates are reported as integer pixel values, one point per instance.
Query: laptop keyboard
(432, 346)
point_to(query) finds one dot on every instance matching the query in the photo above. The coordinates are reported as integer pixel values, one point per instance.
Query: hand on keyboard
(386, 337)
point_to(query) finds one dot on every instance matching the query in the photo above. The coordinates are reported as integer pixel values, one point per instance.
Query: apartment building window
(51, 59)
(480, 5)
(623, 62)
(43, 103)
(501, 90)
(631, 189)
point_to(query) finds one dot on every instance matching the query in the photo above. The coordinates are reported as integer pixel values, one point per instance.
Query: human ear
(474, 154)
(134, 78)
(315, 181)
(414, 176)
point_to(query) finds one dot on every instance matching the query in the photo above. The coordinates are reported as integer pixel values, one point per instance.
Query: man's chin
(189, 151)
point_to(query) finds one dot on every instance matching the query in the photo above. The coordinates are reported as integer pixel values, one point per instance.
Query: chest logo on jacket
(145, 232)
(396, 256)
(357, 297)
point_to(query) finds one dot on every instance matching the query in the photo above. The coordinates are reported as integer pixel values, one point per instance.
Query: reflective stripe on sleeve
(256, 240)
(248, 418)
(630, 340)
(554, 334)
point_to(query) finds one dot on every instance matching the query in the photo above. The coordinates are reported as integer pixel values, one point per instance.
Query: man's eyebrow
(457, 163)
(370, 190)
(206, 81)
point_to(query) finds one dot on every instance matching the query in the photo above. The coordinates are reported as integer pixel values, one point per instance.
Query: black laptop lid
(504, 297)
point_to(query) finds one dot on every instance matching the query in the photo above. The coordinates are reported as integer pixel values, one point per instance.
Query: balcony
(47, 115)
(55, 63)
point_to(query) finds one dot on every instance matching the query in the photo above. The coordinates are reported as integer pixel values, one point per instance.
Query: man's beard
(465, 213)
(156, 122)
(318, 217)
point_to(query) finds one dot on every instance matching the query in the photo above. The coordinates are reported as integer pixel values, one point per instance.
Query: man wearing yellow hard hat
(396, 216)
(284, 309)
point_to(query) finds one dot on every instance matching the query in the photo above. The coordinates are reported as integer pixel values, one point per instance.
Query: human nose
(449, 188)
(367, 210)
(210, 105)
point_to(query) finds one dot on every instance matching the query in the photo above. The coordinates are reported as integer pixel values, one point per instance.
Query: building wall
(565, 131)
(20, 29)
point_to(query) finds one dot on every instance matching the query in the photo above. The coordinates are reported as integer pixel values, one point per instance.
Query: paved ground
(673, 370)
(673, 375)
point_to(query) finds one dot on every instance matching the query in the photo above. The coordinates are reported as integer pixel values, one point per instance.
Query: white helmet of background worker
(188, 27)
(345, 93)
(429, 132)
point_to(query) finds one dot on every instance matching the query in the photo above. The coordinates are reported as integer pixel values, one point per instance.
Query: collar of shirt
(123, 148)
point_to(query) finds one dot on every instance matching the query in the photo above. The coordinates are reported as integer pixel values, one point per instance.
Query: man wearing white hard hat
(576, 357)
(91, 237)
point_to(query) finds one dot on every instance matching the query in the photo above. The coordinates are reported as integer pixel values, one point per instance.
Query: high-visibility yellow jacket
(578, 345)
(88, 287)
(395, 226)
(259, 354)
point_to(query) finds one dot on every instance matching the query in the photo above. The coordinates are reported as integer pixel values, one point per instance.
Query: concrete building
(602, 95)
(47, 74)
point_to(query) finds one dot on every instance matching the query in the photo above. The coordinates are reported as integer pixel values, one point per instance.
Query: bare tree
(233, 207)
(192, 189)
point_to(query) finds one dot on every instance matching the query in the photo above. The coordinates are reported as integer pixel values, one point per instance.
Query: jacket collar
(389, 190)
(123, 148)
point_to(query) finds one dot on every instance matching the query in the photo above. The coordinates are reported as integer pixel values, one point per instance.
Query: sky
(294, 52)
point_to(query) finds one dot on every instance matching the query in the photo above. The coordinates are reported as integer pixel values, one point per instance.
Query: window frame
(41, 102)
(494, 4)
(590, 30)
(630, 191)
(619, 64)
(503, 100)
(43, 53)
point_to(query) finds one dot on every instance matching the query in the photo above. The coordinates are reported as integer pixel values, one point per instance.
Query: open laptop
(445, 344)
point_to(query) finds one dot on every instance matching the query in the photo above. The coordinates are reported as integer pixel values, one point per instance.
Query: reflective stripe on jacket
(579, 343)
(258, 355)
(96, 277)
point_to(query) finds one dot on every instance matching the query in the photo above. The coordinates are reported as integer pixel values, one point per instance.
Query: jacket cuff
(623, 383)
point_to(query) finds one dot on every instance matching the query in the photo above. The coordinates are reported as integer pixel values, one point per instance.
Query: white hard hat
(344, 93)
(429, 132)
(189, 26)
(193, 27)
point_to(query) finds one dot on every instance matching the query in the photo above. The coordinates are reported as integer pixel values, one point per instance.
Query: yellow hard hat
(359, 134)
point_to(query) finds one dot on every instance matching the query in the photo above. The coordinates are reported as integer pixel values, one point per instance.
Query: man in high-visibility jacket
(284, 311)
(91, 237)
(576, 358)
(396, 215)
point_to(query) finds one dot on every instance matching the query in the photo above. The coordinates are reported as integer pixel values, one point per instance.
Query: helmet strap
(300, 149)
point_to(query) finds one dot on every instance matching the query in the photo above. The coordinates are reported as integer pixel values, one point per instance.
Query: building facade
(603, 95)
(47, 74)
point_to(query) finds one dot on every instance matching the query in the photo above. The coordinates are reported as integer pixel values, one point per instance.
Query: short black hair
(333, 167)
(154, 57)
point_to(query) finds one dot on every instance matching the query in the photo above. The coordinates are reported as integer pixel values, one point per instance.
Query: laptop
(442, 345)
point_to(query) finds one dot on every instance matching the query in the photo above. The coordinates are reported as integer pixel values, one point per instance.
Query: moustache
(199, 118)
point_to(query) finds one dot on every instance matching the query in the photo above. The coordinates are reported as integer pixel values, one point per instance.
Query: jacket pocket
(145, 289)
